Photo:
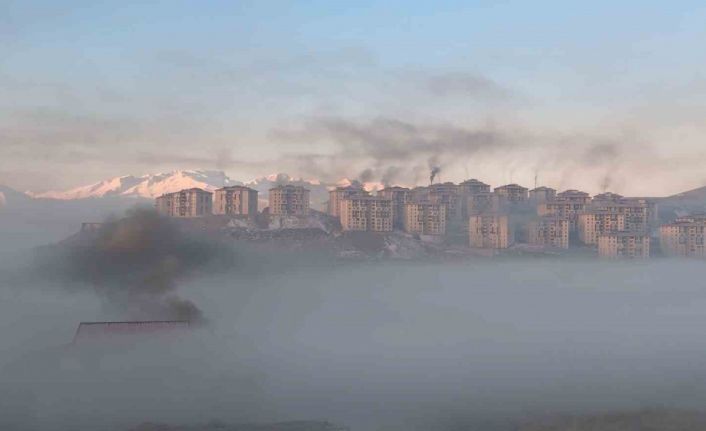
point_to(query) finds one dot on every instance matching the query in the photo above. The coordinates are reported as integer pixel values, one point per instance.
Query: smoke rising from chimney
(434, 172)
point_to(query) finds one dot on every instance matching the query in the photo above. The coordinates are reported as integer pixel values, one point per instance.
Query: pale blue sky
(95, 89)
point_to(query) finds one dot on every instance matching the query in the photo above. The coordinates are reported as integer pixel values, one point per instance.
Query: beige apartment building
(541, 194)
(336, 195)
(425, 218)
(549, 232)
(640, 214)
(567, 204)
(684, 237)
(192, 202)
(608, 197)
(447, 194)
(399, 196)
(366, 213)
(572, 195)
(593, 223)
(472, 187)
(490, 231)
(289, 200)
(624, 245)
(235, 201)
(512, 193)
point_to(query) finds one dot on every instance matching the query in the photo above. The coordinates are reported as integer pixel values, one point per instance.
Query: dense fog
(367, 345)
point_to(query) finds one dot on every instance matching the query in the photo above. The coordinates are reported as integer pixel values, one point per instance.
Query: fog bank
(379, 346)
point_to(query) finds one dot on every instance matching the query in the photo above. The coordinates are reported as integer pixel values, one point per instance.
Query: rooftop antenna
(535, 180)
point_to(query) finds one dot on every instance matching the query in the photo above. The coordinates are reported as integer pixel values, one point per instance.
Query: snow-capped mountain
(145, 186)
(10, 196)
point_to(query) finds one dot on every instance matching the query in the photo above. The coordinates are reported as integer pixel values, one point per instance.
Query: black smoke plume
(434, 172)
(134, 263)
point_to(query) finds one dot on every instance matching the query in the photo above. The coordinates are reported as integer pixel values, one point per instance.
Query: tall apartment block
(235, 201)
(567, 204)
(593, 223)
(572, 195)
(192, 202)
(289, 200)
(512, 193)
(336, 195)
(541, 194)
(472, 187)
(447, 194)
(399, 196)
(549, 232)
(425, 218)
(490, 231)
(482, 202)
(366, 213)
(624, 245)
(684, 237)
(639, 213)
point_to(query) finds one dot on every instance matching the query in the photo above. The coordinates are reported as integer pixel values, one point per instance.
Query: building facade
(593, 223)
(480, 203)
(490, 231)
(366, 213)
(472, 187)
(572, 195)
(399, 197)
(289, 200)
(512, 193)
(624, 245)
(235, 201)
(336, 195)
(192, 202)
(640, 214)
(684, 237)
(447, 194)
(425, 218)
(541, 194)
(549, 232)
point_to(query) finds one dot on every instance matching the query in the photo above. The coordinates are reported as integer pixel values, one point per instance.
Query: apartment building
(624, 245)
(640, 214)
(572, 195)
(289, 200)
(541, 194)
(366, 213)
(192, 202)
(490, 231)
(235, 201)
(608, 197)
(482, 202)
(567, 204)
(512, 193)
(472, 187)
(593, 223)
(399, 196)
(336, 195)
(447, 194)
(549, 232)
(425, 218)
(684, 237)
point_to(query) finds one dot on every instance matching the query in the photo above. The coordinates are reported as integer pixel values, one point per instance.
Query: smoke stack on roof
(434, 172)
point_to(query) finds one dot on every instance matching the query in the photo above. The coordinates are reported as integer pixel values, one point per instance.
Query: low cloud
(467, 85)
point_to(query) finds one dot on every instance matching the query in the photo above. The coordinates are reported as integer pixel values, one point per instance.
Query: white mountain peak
(145, 186)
